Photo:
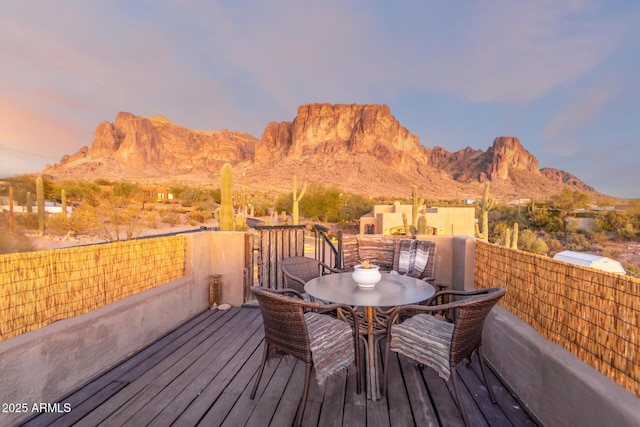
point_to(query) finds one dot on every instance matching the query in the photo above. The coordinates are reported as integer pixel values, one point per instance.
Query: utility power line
(15, 150)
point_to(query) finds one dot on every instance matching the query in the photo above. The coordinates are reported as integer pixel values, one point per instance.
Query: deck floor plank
(267, 403)
(286, 411)
(232, 371)
(444, 403)
(186, 378)
(475, 384)
(418, 397)
(355, 405)
(151, 387)
(122, 373)
(172, 354)
(333, 402)
(185, 385)
(507, 402)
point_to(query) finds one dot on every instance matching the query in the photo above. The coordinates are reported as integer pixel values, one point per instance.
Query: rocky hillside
(359, 148)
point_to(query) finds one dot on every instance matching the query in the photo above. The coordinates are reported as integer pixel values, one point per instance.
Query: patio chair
(415, 258)
(439, 344)
(298, 328)
(298, 270)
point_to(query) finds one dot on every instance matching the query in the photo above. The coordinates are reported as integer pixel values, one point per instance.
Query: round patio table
(392, 290)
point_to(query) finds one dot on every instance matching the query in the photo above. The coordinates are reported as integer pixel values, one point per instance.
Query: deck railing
(38, 288)
(595, 315)
(325, 248)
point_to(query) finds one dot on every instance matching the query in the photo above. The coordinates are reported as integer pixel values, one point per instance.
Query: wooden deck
(202, 374)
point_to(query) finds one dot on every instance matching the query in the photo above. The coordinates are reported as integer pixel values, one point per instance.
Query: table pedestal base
(371, 352)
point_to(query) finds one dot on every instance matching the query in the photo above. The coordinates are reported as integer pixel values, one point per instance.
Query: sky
(561, 75)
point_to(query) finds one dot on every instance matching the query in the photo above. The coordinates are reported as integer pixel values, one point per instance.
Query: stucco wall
(44, 365)
(456, 221)
(558, 388)
(226, 251)
(463, 263)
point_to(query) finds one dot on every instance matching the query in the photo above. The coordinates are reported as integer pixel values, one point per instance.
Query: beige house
(387, 219)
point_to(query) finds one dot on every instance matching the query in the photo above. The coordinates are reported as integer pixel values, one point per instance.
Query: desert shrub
(83, 218)
(632, 270)
(151, 220)
(612, 253)
(598, 237)
(612, 221)
(28, 221)
(200, 215)
(554, 244)
(528, 241)
(577, 242)
(497, 231)
(13, 242)
(626, 233)
(169, 216)
(59, 224)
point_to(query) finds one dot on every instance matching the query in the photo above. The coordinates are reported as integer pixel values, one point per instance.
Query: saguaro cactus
(29, 202)
(405, 222)
(415, 205)
(63, 196)
(226, 200)
(40, 199)
(422, 224)
(510, 237)
(296, 200)
(485, 205)
(506, 237)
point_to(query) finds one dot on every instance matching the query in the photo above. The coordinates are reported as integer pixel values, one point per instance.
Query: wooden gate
(273, 243)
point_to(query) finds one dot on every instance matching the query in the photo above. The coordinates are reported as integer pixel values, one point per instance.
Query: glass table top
(391, 290)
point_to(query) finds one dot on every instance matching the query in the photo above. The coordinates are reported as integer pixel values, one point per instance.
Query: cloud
(516, 51)
(69, 65)
(582, 109)
(614, 173)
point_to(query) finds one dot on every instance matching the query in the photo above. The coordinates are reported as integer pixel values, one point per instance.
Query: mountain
(358, 148)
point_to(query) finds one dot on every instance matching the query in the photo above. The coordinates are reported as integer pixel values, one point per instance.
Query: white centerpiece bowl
(366, 277)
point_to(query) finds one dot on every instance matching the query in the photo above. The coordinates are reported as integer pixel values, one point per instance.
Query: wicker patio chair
(298, 270)
(297, 328)
(407, 254)
(439, 344)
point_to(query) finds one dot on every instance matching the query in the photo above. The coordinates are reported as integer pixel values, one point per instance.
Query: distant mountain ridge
(359, 148)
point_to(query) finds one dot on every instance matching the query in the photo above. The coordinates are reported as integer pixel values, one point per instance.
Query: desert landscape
(348, 157)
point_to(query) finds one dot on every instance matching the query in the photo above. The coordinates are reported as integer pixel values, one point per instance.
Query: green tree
(613, 220)
(353, 206)
(545, 218)
(569, 200)
(321, 202)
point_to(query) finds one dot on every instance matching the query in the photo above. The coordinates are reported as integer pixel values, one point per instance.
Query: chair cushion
(413, 256)
(331, 342)
(425, 339)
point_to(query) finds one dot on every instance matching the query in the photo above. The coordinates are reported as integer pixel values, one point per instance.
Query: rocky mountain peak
(507, 154)
(322, 129)
(358, 148)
